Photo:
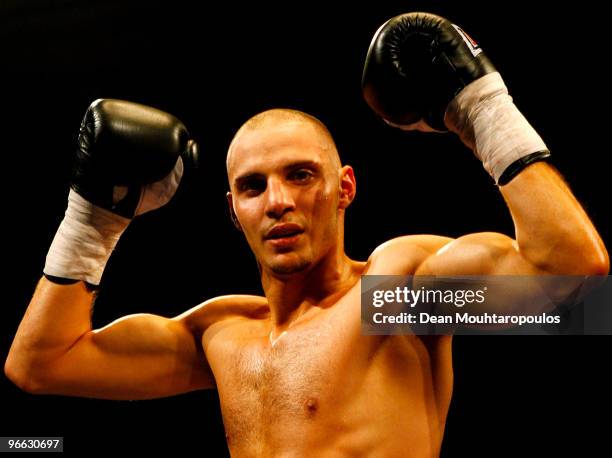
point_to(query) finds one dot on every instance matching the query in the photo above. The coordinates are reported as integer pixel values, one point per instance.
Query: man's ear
(231, 210)
(348, 186)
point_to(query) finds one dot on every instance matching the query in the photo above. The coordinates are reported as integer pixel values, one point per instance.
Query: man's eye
(253, 185)
(301, 175)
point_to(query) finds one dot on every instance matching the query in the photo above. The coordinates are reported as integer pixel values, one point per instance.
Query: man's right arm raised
(142, 356)
(130, 160)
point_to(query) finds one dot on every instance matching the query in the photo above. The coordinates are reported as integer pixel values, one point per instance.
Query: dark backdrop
(214, 66)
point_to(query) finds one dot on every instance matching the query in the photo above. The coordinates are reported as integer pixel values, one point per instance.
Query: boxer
(294, 374)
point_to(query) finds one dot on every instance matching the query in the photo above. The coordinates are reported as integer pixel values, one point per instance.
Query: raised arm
(130, 160)
(55, 350)
(553, 235)
(424, 73)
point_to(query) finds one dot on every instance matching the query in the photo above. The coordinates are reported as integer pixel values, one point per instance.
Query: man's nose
(279, 199)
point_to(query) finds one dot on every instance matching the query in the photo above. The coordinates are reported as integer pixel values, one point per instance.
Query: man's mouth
(284, 231)
(284, 235)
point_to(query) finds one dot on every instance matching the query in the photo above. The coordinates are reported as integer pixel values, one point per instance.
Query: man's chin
(289, 267)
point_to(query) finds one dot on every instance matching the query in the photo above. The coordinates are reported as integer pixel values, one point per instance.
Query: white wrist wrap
(488, 122)
(84, 241)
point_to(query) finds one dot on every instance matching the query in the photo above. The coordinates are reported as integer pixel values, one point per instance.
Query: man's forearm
(552, 229)
(57, 316)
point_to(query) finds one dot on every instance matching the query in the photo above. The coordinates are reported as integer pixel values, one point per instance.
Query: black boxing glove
(424, 73)
(126, 153)
(130, 160)
(416, 64)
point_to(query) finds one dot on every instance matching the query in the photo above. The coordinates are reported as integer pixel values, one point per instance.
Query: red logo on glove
(474, 47)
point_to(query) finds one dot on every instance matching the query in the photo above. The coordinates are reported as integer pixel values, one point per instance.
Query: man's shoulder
(222, 308)
(402, 255)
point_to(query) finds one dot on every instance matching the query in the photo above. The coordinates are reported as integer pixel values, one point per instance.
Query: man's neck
(289, 297)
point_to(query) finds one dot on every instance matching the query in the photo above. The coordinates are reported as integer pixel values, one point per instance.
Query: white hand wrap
(88, 234)
(488, 122)
(84, 241)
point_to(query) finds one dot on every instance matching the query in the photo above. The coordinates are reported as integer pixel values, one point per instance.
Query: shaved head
(283, 168)
(280, 116)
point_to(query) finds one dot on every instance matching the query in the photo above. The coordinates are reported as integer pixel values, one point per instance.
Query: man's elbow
(578, 259)
(583, 267)
(601, 268)
(595, 259)
(25, 379)
(595, 262)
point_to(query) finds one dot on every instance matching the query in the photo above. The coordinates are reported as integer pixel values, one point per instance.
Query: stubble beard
(288, 268)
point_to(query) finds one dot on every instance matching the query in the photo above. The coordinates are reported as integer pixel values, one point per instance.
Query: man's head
(286, 178)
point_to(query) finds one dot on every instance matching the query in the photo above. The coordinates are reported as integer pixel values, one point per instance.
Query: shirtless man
(295, 376)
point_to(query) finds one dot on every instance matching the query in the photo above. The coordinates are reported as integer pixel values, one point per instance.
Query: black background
(213, 67)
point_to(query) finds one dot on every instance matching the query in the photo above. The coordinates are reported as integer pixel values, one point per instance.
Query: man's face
(285, 192)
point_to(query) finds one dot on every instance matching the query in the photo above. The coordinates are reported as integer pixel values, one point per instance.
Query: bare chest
(297, 366)
(265, 387)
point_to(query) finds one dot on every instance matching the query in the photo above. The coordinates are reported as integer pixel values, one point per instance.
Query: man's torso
(323, 388)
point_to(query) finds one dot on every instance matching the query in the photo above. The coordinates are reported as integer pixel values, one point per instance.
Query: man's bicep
(482, 253)
(136, 357)
(403, 255)
(493, 262)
